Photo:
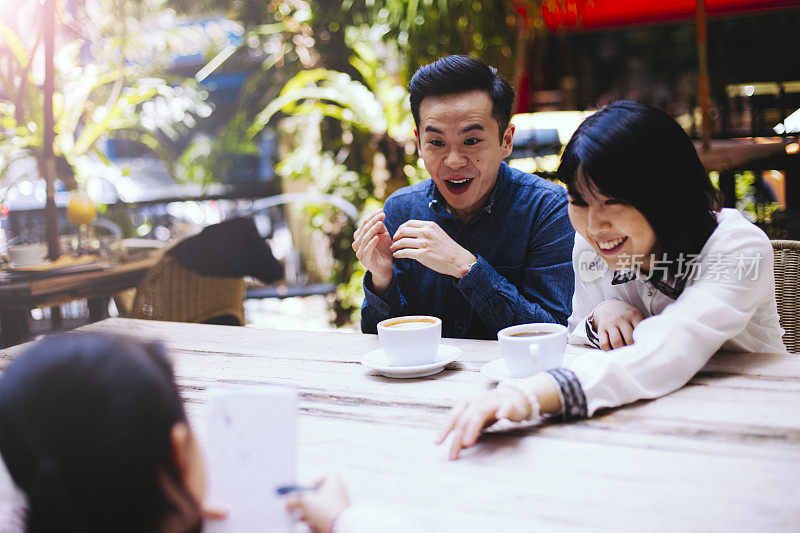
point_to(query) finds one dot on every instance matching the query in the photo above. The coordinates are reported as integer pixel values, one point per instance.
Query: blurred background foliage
(112, 81)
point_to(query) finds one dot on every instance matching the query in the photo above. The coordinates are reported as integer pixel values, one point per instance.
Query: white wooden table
(721, 454)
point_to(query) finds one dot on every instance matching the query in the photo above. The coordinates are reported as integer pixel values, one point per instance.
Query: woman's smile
(610, 246)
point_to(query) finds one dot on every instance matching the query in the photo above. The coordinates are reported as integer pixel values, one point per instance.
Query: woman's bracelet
(529, 395)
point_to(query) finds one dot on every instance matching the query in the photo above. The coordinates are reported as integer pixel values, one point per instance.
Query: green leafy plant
(350, 138)
(94, 101)
(754, 203)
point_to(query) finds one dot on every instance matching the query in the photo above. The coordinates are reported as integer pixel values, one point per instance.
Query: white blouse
(728, 303)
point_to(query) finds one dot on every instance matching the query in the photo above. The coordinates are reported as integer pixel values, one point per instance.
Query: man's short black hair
(459, 74)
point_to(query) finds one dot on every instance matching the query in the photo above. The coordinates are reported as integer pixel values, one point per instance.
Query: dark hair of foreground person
(85, 432)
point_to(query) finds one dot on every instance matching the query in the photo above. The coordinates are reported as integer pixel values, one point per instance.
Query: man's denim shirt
(523, 241)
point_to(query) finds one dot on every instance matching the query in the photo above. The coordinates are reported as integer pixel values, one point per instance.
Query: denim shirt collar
(436, 199)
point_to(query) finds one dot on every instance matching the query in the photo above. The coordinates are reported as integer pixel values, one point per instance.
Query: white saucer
(377, 361)
(496, 370)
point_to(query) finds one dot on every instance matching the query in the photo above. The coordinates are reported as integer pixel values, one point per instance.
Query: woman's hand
(467, 420)
(320, 508)
(614, 320)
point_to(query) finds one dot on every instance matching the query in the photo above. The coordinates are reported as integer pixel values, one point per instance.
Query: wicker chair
(787, 290)
(172, 292)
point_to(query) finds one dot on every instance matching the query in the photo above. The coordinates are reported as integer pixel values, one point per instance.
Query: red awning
(578, 15)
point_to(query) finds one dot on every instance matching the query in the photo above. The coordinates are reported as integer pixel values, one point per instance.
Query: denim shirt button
(467, 291)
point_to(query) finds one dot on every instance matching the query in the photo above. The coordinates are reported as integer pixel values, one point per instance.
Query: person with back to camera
(480, 245)
(94, 434)
(663, 276)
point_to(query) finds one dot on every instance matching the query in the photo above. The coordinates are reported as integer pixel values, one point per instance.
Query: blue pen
(293, 489)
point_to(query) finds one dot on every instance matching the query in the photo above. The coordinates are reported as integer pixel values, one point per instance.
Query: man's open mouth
(458, 185)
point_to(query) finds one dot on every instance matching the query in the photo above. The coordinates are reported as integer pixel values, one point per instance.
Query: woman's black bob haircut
(459, 74)
(85, 432)
(637, 154)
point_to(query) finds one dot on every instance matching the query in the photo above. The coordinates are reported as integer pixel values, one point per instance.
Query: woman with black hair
(664, 277)
(93, 432)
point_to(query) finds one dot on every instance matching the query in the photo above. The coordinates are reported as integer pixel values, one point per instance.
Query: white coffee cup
(529, 348)
(27, 254)
(410, 340)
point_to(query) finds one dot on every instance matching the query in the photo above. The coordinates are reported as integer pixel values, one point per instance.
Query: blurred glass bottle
(81, 211)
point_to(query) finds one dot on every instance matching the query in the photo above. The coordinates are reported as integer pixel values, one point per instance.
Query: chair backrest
(787, 290)
(172, 292)
(298, 253)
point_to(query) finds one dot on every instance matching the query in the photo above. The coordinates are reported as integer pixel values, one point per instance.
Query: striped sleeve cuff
(572, 397)
(591, 334)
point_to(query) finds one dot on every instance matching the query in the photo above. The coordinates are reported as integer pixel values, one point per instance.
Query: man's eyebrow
(472, 127)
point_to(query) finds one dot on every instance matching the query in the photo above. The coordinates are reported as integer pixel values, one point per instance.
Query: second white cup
(529, 348)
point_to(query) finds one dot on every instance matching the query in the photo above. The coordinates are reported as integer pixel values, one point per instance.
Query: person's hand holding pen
(317, 506)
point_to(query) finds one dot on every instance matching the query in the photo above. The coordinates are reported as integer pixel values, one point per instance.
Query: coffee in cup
(529, 348)
(410, 340)
(529, 333)
(412, 323)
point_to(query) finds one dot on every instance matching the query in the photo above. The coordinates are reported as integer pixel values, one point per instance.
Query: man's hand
(371, 242)
(614, 321)
(467, 420)
(428, 243)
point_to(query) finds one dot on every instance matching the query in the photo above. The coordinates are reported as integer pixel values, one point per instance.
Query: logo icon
(591, 266)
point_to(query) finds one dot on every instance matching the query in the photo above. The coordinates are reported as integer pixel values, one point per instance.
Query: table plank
(336, 346)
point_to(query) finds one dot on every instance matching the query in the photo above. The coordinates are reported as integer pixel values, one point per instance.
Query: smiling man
(480, 245)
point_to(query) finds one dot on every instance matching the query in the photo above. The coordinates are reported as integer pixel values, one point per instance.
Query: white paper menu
(250, 452)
